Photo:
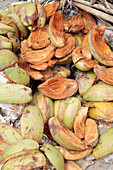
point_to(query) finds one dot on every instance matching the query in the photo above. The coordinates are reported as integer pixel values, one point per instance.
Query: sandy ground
(99, 164)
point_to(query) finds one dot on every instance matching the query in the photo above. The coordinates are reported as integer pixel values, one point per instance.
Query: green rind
(29, 161)
(99, 92)
(5, 43)
(18, 22)
(14, 40)
(54, 156)
(105, 145)
(18, 146)
(17, 75)
(45, 104)
(15, 93)
(9, 134)
(42, 16)
(86, 81)
(70, 113)
(7, 59)
(32, 126)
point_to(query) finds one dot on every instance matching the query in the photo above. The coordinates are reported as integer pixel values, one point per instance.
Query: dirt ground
(99, 164)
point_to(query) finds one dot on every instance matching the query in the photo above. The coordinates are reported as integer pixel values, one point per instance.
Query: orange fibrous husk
(79, 122)
(85, 48)
(101, 50)
(73, 155)
(47, 74)
(89, 21)
(73, 24)
(24, 46)
(64, 59)
(91, 133)
(67, 48)
(39, 56)
(50, 9)
(36, 66)
(56, 32)
(51, 63)
(104, 74)
(39, 38)
(58, 88)
(70, 165)
(34, 74)
(81, 62)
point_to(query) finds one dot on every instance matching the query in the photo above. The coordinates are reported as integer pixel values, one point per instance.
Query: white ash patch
(3, 79)
(10, 112)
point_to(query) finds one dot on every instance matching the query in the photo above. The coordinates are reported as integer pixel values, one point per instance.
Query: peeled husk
(100, 50)
(79, 122)
(89, 21)
(104, 74)
(58, 87)
(39, 38)
(56, 29)
(91, 133)
(73, 24)
(67, 48)
(70, 165)
(74, 155)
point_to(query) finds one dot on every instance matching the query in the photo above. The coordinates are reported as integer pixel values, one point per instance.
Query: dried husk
(104, 74)
(100, 50)
(41, 15)
(91, 133)
(56, 29)
(71, 165)
(89, 21)
(36, 75)
(39, 38)
(14, 40)
(24, 46)
(85, 47)
(9, 134)
(51, 8)
(67, 48)
(74, 155)
(58, 87)
(65, 60)
(7, 59)
(16, 93)
(32, 126)
(99, 92)
(20, 147)
(39, 67)
(60, 71)
(85, 81)
(28, 162)
(54, 156)
(17, 75)
(51, 62)
(81, 62)
(63, 136)
(5, 43)
(105, 144)
(73, 24)
(45, 104)
(28, 13)
(39, 56)
(47, 74)
(101, 111)
(79, 122)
